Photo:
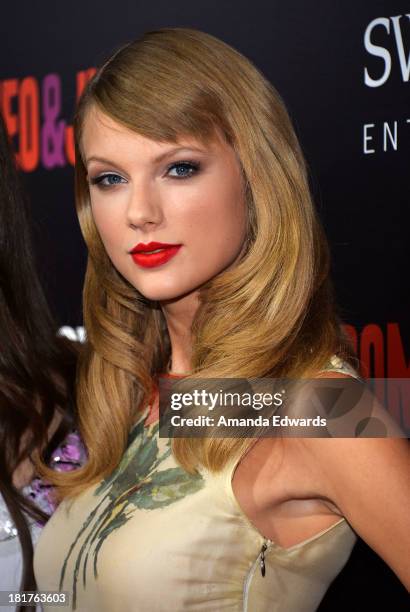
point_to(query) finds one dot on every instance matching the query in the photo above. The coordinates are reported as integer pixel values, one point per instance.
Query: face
(171, 216)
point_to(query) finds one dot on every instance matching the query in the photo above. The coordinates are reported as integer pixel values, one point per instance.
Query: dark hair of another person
(37, 368)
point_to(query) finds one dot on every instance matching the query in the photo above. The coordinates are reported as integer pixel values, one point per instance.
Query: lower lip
(152, 260)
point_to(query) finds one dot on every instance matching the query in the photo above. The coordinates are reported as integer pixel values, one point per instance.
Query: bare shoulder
(368, 481)
(355, 458)
(362, 462)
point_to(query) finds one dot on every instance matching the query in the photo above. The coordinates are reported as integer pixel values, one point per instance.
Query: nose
(144, 208)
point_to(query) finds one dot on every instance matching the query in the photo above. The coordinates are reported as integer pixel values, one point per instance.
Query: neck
(179, 315)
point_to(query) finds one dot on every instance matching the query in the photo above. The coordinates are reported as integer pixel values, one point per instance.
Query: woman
(36, 378)
(205, 260)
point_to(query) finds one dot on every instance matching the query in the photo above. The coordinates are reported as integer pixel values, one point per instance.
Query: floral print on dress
(136, 483)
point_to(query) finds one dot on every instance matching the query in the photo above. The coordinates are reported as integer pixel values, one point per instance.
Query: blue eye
(107, 180)
(183, 169)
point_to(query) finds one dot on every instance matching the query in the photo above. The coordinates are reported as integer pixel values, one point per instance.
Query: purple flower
(69, 456)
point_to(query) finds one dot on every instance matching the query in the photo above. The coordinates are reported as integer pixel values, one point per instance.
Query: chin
(161, 293)
(167, 285)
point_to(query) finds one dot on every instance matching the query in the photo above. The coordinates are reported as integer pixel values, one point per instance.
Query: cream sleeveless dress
(152, 538)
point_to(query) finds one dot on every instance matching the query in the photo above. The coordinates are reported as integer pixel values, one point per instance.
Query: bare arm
(368, 480)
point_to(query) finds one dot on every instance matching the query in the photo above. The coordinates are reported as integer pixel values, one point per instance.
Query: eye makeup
(111, 179)
(179, 170)
(184, 169)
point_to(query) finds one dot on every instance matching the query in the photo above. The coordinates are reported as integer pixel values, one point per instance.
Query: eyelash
(192, 166)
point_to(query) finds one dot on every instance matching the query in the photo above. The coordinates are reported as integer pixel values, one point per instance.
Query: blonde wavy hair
(271, 315)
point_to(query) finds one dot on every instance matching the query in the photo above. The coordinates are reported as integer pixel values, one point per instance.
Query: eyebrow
(155, 160)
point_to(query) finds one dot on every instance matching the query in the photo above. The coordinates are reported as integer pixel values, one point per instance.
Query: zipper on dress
(262, 559)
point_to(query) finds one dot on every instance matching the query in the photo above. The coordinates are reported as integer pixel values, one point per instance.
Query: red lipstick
(153, 254)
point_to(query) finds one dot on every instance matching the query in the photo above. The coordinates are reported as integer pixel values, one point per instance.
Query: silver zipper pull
(262, 559)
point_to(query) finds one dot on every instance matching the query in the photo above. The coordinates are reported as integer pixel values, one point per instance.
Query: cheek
(216, 224)
(107, 224)
(227, 216)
